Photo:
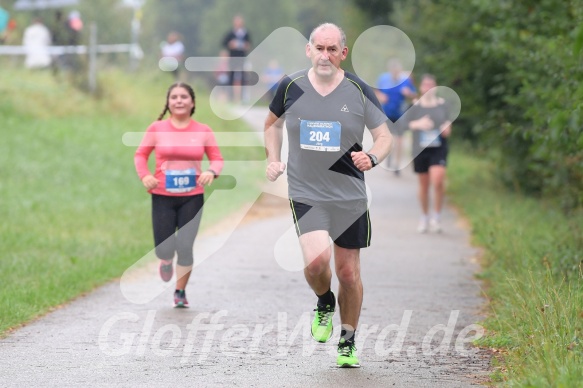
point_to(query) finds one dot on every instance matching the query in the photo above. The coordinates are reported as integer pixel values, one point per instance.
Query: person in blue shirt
(395, 89)
(4, 19)
(272, 74)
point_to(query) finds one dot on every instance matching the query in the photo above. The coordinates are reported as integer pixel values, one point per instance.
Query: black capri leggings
(175, 222)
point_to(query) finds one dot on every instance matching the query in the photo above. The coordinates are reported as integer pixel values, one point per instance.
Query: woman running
(177, 185)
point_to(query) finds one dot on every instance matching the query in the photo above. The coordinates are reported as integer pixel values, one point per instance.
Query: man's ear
(344, 52)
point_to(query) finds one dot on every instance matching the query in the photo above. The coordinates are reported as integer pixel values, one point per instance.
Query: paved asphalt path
(248, 325)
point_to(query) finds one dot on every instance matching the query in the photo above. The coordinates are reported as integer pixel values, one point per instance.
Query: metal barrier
(133, 49)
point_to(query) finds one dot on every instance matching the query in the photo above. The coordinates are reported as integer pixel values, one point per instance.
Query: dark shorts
(348, 223)
(237, 74)
(430, 157)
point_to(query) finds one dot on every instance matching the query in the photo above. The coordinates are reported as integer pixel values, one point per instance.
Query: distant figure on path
(238, 42)
(222, 74)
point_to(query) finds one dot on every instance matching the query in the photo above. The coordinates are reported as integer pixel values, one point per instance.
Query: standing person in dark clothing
(67, 32)
(60, 38)
(238, 42)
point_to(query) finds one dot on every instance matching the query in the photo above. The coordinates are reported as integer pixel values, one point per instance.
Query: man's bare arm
(273, 136)
(382, 142)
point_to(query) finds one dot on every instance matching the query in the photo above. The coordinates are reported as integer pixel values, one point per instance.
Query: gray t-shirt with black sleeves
(322, 132)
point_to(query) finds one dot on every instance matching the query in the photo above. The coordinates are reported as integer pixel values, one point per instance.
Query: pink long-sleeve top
(177, 150)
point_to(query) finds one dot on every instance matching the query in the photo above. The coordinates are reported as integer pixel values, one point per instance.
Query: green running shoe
(322, 323)
(347, 355)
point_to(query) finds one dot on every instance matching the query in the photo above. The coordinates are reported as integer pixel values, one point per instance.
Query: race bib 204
(320, 135)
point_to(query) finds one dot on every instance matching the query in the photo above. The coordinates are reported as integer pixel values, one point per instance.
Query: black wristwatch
(212, 172)
(373, 159)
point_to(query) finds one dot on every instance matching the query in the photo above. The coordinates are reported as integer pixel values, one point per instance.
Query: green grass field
(533, 269)
(74, 213)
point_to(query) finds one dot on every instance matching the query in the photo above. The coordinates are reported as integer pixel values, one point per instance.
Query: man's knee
(348, 275)
(318, 264)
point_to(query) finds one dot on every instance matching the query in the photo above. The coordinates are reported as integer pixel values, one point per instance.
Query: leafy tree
(517, 68)
(378, 11)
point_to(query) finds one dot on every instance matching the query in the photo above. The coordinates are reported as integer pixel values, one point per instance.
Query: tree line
(518, 68)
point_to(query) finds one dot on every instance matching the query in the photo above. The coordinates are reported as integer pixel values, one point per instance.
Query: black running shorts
(430, 157)
(347, 223)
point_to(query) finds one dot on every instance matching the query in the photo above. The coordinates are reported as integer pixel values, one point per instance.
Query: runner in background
(428, 118)
(395, 89)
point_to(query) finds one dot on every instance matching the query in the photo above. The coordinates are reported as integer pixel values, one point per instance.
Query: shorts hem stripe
(295, 217)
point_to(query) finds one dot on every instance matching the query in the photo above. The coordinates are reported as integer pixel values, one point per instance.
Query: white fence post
(92, 58)
(133, 49)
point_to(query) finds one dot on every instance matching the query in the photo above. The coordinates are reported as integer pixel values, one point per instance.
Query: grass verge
(75, 214)
(533, 268)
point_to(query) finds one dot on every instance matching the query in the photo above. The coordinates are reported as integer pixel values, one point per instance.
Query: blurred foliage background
(516, 64)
